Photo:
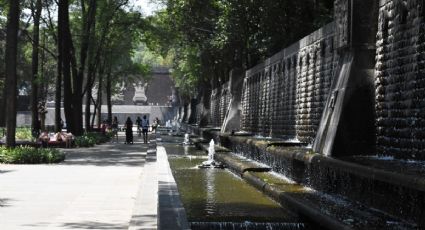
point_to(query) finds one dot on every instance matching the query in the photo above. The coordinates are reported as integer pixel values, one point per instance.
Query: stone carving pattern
(400, 79)
(341, 9)
(286, 99)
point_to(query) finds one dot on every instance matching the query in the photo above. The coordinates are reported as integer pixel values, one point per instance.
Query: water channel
(219, 199)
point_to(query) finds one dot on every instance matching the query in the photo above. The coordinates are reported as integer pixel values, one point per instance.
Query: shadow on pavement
(108, 154)
(5, 202)
(94, 225)
(146, 221)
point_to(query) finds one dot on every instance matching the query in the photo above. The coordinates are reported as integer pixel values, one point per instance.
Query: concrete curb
(171, 213)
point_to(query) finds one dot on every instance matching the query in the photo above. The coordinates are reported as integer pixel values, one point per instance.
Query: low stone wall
(367, 185)
(400, 79)
(285, 95)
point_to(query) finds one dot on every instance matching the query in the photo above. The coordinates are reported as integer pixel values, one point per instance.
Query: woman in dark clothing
(114, 127)
(129, 131)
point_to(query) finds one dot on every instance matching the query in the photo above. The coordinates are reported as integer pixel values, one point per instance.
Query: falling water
(186, 139)
(211, 151)
(246, 225)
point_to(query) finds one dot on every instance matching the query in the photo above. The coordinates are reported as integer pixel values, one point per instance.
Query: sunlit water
(217, 195)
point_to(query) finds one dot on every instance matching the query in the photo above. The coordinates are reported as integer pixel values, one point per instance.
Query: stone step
(240, 165)
(151, 152)
(329, 211)
(373, 184)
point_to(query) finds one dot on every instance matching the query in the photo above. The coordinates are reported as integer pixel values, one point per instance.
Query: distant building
(152, 97)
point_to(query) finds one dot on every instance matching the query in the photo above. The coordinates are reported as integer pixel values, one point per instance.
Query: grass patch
(30, 155)
(22, 133)
(91, 139)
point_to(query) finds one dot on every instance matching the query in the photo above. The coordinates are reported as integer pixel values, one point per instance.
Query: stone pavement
(110, 186)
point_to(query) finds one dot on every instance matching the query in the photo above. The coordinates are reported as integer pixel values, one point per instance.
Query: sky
(147, 7)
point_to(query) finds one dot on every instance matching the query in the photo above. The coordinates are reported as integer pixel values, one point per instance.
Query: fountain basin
(211, 164)
(219, 199)
(358, 182)
(216, 195)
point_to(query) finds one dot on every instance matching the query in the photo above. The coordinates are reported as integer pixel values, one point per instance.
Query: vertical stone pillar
(193, 112)
(347, 124)
(232, 121)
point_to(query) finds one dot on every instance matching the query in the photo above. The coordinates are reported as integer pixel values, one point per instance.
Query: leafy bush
(84, 141)
(23, 134)
(30, 155)
(90, 139)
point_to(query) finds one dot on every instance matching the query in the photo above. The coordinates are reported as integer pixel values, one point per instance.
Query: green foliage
(207, 38)
(91, 139)
(148, 58)
(23, 133)
(30, 155)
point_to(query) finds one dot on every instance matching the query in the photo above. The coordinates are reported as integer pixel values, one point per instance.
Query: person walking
(129, 131)
(145, 128)
(139, 126)
(155, 124)
(114, 127)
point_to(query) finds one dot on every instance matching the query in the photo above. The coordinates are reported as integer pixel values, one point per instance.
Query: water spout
(211, 151)
(210, 163)
(186, 139)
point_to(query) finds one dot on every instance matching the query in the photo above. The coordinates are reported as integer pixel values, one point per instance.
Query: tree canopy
(207, 38)
(66, 48)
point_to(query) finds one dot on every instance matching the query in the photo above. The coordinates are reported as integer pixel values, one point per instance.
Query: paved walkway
(110, 186)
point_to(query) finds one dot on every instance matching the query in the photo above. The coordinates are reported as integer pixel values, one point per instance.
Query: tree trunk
(75, 96)
(35, 78)
(11, 76)
(44, 84)
(78, 80)
(64, 38)
(99, 96)
(108, 95)
(58, 88)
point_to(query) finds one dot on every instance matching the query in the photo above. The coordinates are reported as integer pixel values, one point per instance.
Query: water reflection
(210, 190)
(217, 194)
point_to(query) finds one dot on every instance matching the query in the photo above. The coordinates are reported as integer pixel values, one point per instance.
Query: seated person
(44, 138)
(59, 136)
(69, 138)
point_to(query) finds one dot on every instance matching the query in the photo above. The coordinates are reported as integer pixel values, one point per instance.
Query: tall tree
(88, 22)
(11, 71)
(66, 46)
(36, 14)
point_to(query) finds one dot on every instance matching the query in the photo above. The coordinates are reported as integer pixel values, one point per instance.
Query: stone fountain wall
(400, 79)
(220, 99)
(285, 95)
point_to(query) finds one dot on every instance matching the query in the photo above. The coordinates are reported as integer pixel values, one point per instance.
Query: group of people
(142, 128)
(47, 139)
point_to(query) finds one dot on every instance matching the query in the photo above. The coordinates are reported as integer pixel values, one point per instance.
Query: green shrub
(91, 139)
(23, 134)
(84, 141)
(20, 134)
(30, 155)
